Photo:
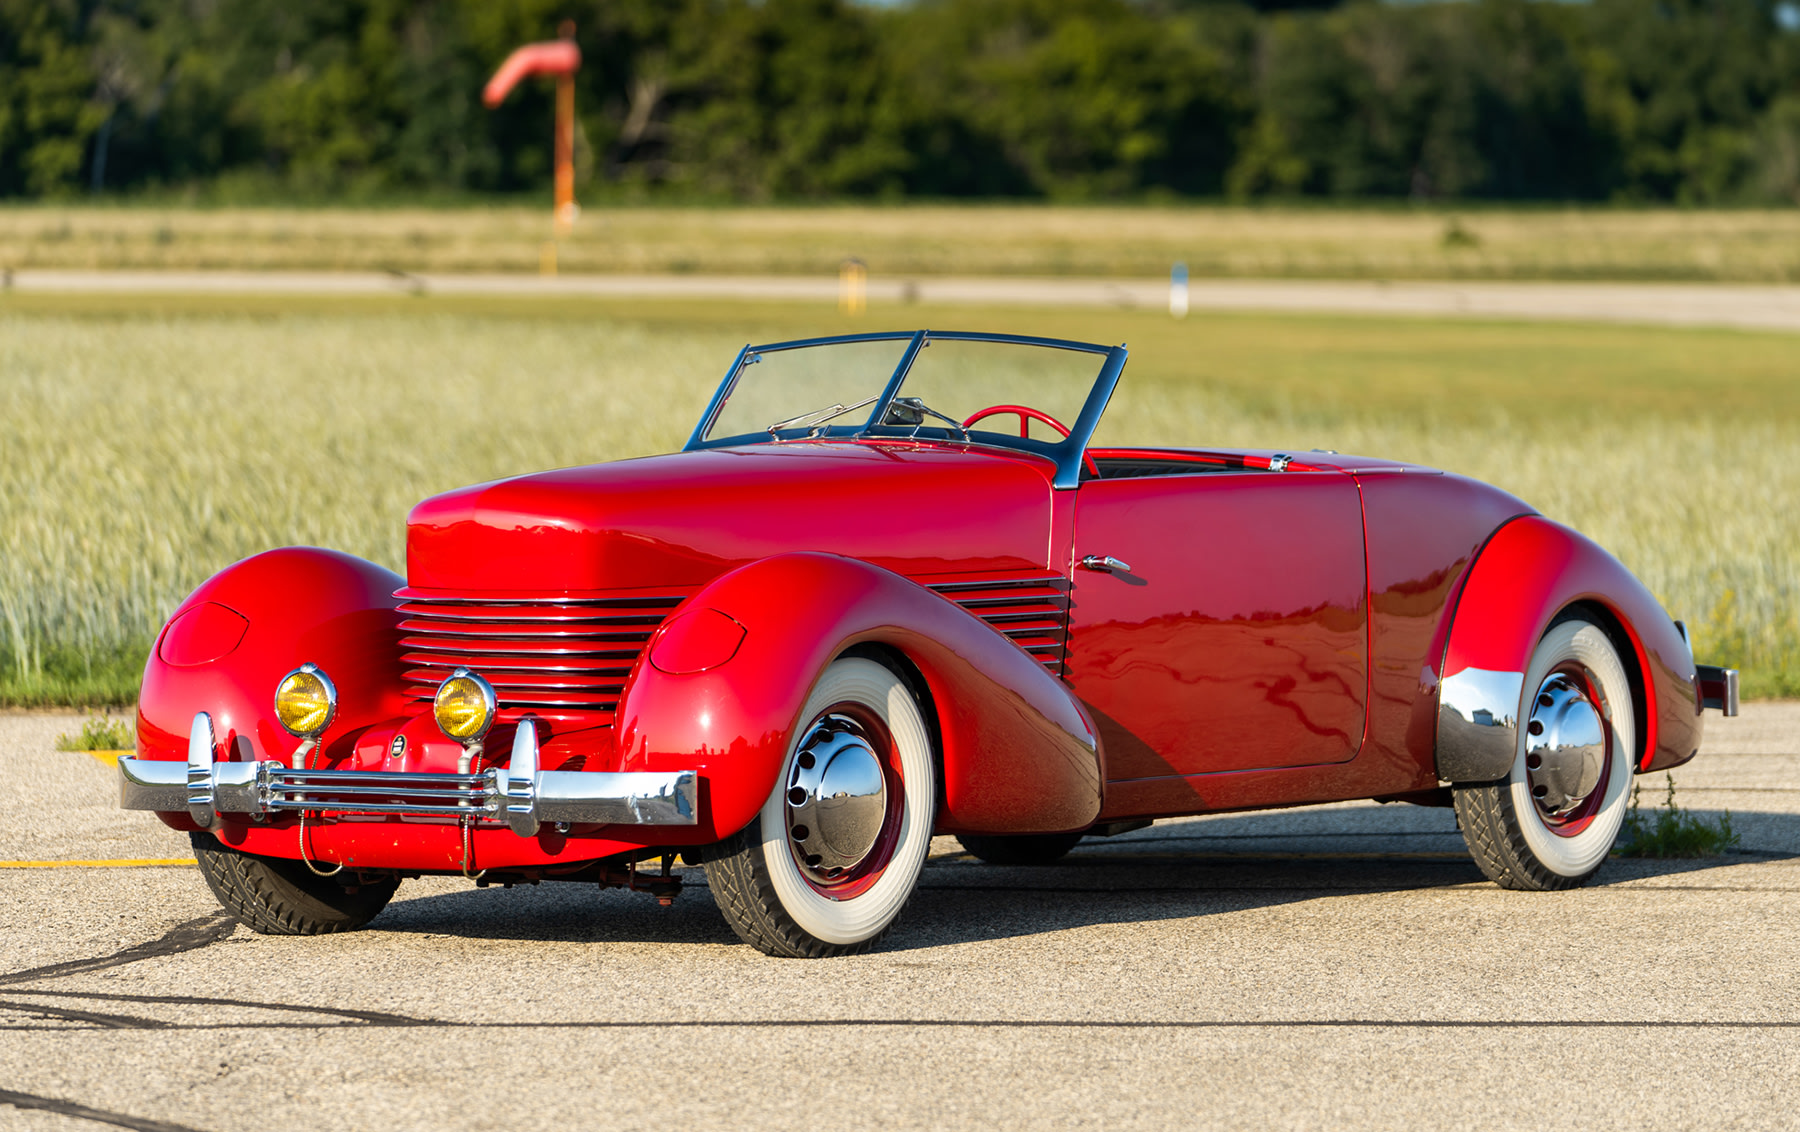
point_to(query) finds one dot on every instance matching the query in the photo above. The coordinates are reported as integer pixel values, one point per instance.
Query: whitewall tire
(838, 846)
(1553, 820)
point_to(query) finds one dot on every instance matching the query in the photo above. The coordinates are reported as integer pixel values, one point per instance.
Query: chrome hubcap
(836, 798)
(1565, 746)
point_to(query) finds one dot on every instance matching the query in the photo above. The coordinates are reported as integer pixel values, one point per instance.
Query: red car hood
(678, 521)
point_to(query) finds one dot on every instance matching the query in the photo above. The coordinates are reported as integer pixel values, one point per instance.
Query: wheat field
(140, 450)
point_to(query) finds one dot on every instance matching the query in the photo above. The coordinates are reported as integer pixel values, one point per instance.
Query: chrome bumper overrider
(520, 794)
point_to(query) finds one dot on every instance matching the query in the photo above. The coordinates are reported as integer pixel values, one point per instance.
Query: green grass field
(1396, 242)
(147, 442)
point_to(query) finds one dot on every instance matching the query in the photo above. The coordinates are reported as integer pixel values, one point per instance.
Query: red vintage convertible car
(885, 591)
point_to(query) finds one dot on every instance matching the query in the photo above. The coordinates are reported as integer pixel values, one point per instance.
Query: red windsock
(556, 57)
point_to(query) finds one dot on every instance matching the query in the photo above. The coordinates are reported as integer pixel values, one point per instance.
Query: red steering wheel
(1026, 415)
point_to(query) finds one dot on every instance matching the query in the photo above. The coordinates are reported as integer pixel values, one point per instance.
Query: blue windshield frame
(1066, 453)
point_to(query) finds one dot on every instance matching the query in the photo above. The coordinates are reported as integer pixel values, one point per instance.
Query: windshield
(1042, 395)
(963, 379)
(781, 390)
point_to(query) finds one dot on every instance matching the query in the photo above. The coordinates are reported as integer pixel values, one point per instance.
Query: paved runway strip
(1330, 967)
(1662, 304)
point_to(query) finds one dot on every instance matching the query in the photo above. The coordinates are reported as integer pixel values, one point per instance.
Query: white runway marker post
(1178, 291)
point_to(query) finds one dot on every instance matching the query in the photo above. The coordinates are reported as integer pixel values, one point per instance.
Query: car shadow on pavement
(1176, 870)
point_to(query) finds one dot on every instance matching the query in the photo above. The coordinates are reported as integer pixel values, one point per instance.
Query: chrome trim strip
(520, 794)
(1054, 582)
(596, 670)
(1031, 612)
(1478, 724)
(430, 606)
(529, 626)
(521, 653)
(527, 704)
(373, 777)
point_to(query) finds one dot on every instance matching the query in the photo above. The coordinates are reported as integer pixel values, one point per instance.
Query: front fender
(1530, 571)
(1019, 753)
(229, 643)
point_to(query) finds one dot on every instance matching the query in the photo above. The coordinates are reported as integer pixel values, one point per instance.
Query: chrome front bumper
(519, 794)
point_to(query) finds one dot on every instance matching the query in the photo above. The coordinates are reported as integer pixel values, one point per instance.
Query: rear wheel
(1020, 849)
(837, 848)
(277, 897)
(1552, 821)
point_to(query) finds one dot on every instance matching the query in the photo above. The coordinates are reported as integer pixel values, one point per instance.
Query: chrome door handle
(1106, 564)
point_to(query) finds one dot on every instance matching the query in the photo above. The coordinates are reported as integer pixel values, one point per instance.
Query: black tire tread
(738, 876)
(1032, 849)
(1490, 829)
(275, 897)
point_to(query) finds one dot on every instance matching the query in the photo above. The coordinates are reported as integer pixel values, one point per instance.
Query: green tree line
(1691, 101)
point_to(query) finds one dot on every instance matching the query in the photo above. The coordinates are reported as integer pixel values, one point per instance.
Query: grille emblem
(397, 749)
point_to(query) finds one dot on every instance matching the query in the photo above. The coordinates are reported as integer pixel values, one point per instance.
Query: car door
(1238, 637)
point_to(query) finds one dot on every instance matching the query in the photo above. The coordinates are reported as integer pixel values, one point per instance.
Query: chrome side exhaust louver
(1033, 612)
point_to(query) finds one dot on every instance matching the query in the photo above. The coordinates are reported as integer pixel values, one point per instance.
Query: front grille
(566, 659)
(1032, 612)
(559, 658)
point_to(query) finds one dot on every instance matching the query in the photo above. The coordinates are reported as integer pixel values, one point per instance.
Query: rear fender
(229, 644)
(1529, 572)
(1018, 752)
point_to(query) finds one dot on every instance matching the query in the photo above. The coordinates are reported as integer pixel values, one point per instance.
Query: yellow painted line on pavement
(110, 758)
(122, 863)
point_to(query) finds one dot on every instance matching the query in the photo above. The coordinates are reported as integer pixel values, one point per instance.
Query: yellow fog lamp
(464, 707)
(305, 701)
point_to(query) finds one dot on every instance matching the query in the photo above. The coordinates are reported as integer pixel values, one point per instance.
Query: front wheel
(276, 897)
(1551, 823)
(837, 848)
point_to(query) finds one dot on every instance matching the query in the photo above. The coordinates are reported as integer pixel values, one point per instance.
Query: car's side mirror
(905, 411)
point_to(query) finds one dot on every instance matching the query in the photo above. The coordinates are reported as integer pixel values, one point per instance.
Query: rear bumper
(518, 795)
(1717, 688)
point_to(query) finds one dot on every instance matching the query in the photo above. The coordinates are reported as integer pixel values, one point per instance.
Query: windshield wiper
(819, 417)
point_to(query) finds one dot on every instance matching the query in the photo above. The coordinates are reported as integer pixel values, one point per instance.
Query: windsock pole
(560, 59)
(566, 208)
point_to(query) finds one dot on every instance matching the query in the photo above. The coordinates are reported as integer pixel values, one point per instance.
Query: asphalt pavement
(1328, 967)
(1667, 304)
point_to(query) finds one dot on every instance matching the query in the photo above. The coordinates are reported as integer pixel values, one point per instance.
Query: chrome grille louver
(1032, 612)
(560, 658)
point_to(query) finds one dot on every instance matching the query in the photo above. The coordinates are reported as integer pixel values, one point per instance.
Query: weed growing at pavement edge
(98, 733)
(1671, 831)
